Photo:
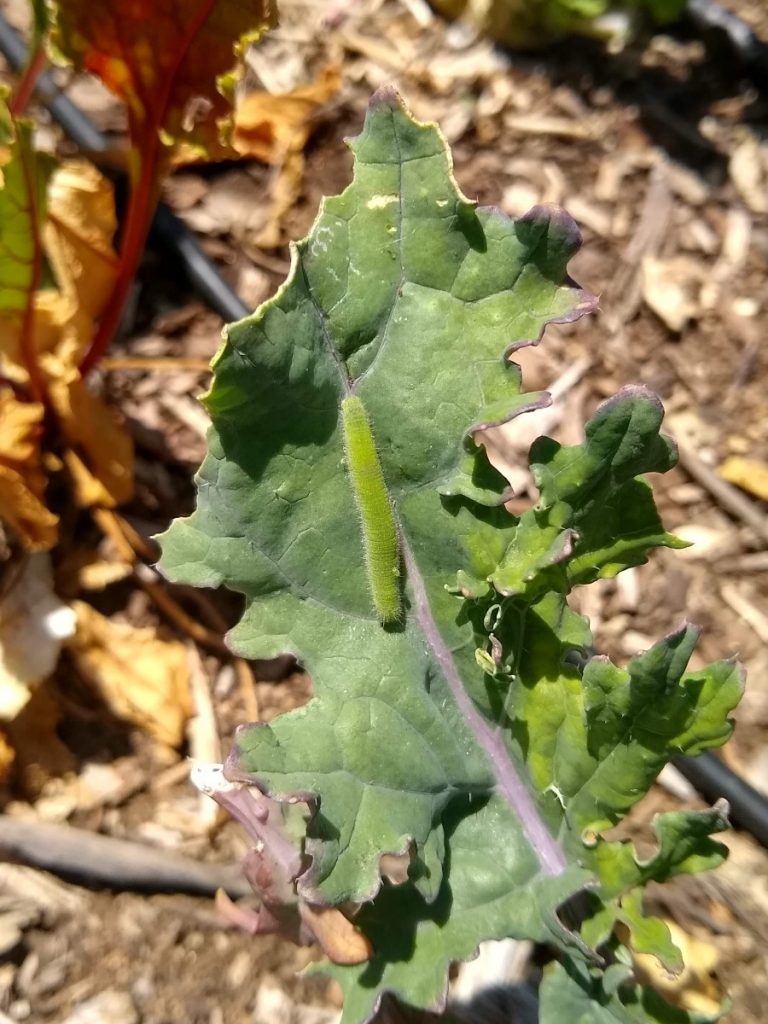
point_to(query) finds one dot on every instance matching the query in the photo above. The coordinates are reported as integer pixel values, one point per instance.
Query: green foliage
(22, 208)
(537, 23)
(574, 994)
(475, 738)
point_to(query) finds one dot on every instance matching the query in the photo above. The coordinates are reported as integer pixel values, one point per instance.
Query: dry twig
(726, 495)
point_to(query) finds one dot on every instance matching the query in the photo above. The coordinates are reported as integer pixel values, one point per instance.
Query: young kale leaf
(472, 734)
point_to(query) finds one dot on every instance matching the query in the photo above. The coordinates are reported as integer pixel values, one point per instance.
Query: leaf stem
(27, 337)
(22, 94)
(511, 786)
(141, 207)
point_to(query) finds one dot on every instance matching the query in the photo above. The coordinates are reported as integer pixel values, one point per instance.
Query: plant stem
(145, 194)
(27, 336)
(22, 94)
(141, 207)
(510, 785)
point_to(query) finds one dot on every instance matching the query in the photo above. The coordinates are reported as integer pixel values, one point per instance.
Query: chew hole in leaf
(377, 521)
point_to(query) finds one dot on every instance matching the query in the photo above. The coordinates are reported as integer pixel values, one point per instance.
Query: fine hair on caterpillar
(377, 519)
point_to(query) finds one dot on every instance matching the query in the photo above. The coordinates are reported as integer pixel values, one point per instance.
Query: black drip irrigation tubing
(714, 780)
(715, 24)
(202, 274)
(708, 774)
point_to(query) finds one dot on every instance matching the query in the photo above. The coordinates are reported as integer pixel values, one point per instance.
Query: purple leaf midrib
(548, 851)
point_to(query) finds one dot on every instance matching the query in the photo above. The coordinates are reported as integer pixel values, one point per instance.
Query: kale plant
(536, 23)
(464, 753)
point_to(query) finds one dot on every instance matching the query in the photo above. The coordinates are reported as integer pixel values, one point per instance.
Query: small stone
(239, 970)
(110, 1007)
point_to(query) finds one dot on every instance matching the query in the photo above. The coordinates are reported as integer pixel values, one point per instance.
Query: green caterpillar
(380, 542)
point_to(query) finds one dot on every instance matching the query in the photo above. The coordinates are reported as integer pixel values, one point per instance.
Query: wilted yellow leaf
(77, 232)
(23, 184)
(78, 240)
(276, 129)
(694, 989)
(33, 625)
(22, 481)
(749, 474)
(269, 126)
(39, 754)
(140, 677)
(78, 235)
(7, 755)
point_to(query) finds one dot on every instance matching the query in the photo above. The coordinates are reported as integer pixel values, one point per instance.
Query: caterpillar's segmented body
(377, 520)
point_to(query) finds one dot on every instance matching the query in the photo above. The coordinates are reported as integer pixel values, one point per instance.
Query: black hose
(719, 26)
(712, 777)
(202, 274)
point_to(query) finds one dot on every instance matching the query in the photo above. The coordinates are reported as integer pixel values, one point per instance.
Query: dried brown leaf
(22, 480)
(341, 942)
(670, 287)
(77, 236)
(139, 676)
(750, 475)
(39, 753)
(275, 128)
(7, 756)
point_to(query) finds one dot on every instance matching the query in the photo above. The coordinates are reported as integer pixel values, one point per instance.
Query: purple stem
(240, 803)
(550, 855)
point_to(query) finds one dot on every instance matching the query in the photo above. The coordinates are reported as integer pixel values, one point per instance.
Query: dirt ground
(660, 153)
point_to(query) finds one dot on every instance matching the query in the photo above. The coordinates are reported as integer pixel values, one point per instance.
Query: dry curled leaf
(139, 676)
(22, 480)
(694, 988)
(39, 753)
(78, 236)
(341, 942)
(268, 126)
(66, 218)
(275, 128)
(7, 755)
(749, 474)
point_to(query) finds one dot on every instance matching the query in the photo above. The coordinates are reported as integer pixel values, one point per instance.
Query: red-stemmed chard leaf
(170, 62)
